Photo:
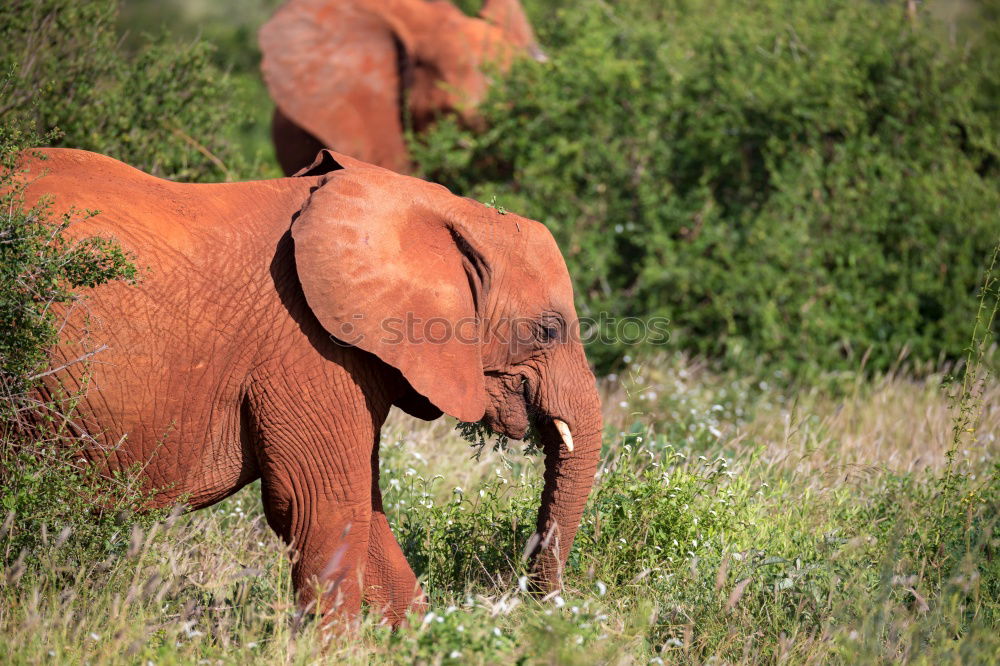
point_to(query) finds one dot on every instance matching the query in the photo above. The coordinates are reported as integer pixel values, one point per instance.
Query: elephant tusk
(537, 54)
(567, 436)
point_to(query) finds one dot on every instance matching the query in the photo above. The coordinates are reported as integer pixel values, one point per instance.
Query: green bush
(793, 184)
(163, 109)
(50, 497)
(40, 267)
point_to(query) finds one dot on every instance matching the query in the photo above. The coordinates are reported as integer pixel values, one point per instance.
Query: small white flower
(496, 631)
(559, 601)
(455, 654)
(522, 583)
(94, 637)
(601, 588)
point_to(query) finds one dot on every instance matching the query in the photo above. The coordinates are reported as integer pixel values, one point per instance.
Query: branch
(67, 364)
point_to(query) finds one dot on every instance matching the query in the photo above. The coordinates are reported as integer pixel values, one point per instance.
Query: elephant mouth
(519, 416)
(509, 412)
(513, 423)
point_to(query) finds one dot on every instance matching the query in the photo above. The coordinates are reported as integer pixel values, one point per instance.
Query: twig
(203, 150)
(67, 364)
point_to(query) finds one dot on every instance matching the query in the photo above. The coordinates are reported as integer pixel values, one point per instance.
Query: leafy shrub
(801, 184)
(495, 520)
(163, 110)
(48, 493)
(230, 26)
(650, 514)
(40, 267)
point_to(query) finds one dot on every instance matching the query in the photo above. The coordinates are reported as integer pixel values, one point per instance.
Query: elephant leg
(323, 509)
(391, 587)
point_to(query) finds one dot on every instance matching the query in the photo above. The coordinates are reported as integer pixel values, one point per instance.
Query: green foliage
(230, 26)
(60, 506)
(481, 438)
(67, 80)
(801, 185)
(649, 515)
(51, 497)
(498, 518)
(40, 267)
(163, 110)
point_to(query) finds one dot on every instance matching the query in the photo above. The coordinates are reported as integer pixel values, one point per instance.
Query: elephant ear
(333, 69)
(385, 267)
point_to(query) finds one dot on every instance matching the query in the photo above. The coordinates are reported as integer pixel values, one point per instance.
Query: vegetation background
(809, 191)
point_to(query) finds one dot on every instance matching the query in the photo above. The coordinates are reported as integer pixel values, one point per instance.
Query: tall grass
(798, 528)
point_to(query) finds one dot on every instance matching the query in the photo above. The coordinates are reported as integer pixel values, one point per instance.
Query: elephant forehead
(532, 247)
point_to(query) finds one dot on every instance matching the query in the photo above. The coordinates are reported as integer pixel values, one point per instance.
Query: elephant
(345, 74)
(276, 322)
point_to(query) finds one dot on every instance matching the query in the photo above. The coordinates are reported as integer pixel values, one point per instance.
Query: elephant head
(473, 306)
(345, 74)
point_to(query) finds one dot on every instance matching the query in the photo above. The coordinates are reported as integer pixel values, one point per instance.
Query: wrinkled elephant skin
(341, 71)
(263, 341)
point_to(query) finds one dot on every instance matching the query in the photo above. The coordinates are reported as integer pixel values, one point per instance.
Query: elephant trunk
(570, 467)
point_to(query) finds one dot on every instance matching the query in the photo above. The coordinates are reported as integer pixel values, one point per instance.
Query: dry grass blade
(723, 573)
(737, 594)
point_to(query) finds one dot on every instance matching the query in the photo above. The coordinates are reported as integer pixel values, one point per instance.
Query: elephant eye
(549, 333)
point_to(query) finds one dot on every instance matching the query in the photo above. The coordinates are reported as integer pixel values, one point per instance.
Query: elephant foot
(391, 587)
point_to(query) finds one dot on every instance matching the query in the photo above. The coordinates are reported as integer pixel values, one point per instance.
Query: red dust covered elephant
(344, 73)
(275, 324)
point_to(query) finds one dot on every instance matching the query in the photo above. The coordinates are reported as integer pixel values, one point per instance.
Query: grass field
(730, 522)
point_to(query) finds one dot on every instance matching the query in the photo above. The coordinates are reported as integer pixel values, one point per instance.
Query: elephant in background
(279, 321)
(344, 74)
